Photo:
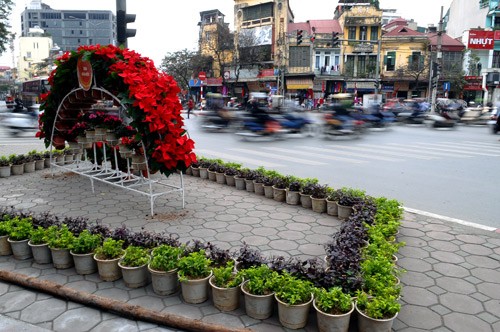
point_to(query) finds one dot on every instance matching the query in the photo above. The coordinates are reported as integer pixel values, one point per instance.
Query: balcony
(335, 71)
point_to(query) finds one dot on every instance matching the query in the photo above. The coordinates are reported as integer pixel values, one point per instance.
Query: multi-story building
(476, 24)
(70, 28)
(34, 49)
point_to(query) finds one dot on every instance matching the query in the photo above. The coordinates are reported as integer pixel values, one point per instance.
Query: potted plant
(250, 176)
(248, 257)
(29, 163)
(220, 172)
(347, 198)
(194, 272)
(294, 297)
(239, 178)
(204, 163)
(376, 313)
(195, 169)
(280, 184)
(230, 173)
(5, 167)
(17, 164)
(293, 191)
(60, 239)
(38, 158)
(306, 192)
(134, 266)
(318, 198)
(213, 167)
(258, 291)
(331, 203)
(225, 284)
(163, 269)
(82, 251)
(39, 246)
(19, 237)
(333, 309)
(107, 256)
(6, 226)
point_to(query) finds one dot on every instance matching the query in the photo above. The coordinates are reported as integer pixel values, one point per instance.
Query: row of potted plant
(307, 192)
(18, 164)
(357, 257)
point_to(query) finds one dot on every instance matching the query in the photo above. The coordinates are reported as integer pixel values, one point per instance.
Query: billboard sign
(481, 40)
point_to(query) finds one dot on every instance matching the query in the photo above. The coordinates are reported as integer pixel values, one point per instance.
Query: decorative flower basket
(154, 117)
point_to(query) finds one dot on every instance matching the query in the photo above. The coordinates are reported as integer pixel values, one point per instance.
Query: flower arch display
(148, 97)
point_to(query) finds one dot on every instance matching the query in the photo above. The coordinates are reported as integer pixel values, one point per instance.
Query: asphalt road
(452, 173)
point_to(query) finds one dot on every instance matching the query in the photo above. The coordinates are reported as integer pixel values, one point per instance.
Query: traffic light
(299, 37)
(434, 83)
(436, 69)
(122, 19)
(335, 39)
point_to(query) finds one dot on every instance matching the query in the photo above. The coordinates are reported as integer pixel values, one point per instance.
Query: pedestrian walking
(190, 107)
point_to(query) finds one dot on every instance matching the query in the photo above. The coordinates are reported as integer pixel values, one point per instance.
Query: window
(317, 61)
(257, 12)
(374, 33)
(28, 55)
(81, 32)
(72, 32)
(349, 65)
(390, 61)
(483, 3)
(361, 66)
(415, 61)
(351, 33)
(300, 56)
(363, 32)
(496, 59)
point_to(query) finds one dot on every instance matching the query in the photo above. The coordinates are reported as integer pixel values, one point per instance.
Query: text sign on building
(481, 40)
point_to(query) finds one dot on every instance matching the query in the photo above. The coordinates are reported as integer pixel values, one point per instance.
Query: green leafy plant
(165, 257)
(378, 307)
(290, 289)
(110, 249)
(333, 301)
(86, 242)
(350, 196)
(225, 277)
(308, 186)
(194, 266)
(258, 280)
(21, 229)
(60, 237)
(38, 235)
(135, 256)
(35, 155)
(16, 159)
(319, 191)
(4, 161)
(6, 226)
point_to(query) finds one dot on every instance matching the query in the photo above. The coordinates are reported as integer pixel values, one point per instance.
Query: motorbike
(476, 116)
(21, 119)
(217, 120)
(296, 124)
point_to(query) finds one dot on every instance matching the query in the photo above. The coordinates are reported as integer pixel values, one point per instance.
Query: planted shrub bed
(359, 257)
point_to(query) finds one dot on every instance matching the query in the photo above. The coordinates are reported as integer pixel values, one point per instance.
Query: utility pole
(439, 57)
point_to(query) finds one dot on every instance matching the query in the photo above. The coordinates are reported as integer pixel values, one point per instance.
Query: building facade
(70, 28)
(34, 49)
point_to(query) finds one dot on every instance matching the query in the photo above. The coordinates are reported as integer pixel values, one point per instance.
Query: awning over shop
(299, 83)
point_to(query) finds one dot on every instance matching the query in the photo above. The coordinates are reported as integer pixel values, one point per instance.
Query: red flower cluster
(155, 110)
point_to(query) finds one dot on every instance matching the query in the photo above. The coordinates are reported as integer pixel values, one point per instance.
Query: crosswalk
(360, 153)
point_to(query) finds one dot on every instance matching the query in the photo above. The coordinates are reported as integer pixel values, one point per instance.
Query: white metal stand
(104, 173)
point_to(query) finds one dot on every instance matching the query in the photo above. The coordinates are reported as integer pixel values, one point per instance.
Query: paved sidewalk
(452, 281)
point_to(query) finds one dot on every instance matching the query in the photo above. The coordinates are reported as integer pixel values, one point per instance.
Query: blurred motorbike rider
(264, 120)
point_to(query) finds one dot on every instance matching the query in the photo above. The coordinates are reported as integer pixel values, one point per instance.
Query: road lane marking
(442, 154)
(412, 152)
(353, 154)
(280, 157)
(397, 154)
(317, 155)
(455, 220)
(440, 147)
(235, 158)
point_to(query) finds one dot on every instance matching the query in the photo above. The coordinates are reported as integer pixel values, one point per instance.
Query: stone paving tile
(452, 281)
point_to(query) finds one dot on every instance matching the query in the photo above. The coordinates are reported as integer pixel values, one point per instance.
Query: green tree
(5, 34)
(182, 65)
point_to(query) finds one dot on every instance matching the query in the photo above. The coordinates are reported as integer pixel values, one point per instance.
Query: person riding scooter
(262, 122)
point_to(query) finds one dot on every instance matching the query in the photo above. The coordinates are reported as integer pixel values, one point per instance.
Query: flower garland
(149, 95)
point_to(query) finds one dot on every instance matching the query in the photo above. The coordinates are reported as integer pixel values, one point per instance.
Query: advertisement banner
(481, 40)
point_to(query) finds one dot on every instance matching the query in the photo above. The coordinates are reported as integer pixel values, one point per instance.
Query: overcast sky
(163, 27)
